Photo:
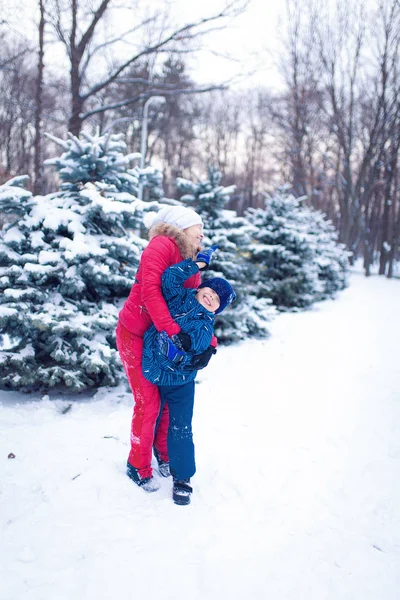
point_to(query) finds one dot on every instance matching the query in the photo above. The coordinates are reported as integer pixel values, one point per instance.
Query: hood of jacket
(183, 242)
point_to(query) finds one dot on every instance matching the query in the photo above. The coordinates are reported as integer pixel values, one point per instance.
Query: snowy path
(297, 493)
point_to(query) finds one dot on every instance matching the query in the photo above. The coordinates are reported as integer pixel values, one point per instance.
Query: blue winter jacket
(192, 318)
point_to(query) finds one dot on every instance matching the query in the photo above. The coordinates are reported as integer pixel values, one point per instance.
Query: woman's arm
(158, 256)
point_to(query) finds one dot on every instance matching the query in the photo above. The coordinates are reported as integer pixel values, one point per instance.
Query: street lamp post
(143, 139)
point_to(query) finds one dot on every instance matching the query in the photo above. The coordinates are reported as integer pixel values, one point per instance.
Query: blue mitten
(205, 256)
(168, 348)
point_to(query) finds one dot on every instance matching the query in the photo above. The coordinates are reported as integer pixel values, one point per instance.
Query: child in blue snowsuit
(167, 362)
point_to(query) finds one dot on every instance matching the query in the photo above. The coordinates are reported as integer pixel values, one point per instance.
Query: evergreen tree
(249, 315)
(102, 159)
(295, 250)
(332, 258)
(64, 264)
(14, 198)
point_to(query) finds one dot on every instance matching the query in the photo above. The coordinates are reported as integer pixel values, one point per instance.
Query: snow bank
(297, 491)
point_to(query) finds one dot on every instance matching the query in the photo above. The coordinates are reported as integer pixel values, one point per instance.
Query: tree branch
(87, 36)
(148, 94)
(177, 35)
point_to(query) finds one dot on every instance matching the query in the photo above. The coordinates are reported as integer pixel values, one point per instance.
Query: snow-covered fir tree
(249, 315)
(102, 159)
(64, 263)
(152, 182)
(332, 258)
(295, 251)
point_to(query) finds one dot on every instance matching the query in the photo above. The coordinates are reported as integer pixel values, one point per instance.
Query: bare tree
(298, 109)
(38, 160)
(79, 36)
(341, 40)
(257, 127)
(337, 124)
(219, 128)
(24, 96)
(16, 108)
(173, 126)
(389, 21)
(395, 240)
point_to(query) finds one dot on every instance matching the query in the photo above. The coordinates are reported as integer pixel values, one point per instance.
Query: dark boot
(148, 484)
(181, 491)
(163, 465)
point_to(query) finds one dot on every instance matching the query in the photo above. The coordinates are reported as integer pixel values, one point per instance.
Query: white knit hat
(179, 216)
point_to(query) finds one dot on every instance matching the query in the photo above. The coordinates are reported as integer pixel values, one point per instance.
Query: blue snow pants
(180, 400)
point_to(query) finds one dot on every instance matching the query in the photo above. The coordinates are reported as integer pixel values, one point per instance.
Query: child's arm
(175, 276)
(201, 339)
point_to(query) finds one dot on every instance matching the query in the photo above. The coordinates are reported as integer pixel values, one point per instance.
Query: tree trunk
(384, 245)
(38, 166)
(394, 245)
(367, 259)
(75, 120)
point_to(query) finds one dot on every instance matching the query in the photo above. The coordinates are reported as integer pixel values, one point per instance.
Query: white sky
(249, 40)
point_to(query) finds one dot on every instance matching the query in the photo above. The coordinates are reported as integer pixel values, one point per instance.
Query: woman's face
(195, 235)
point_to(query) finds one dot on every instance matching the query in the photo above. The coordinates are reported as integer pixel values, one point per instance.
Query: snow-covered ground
(297, 493)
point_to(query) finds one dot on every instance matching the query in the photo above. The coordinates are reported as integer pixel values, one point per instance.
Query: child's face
(208, 298)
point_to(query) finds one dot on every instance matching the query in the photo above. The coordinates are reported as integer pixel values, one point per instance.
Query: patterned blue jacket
(192, 318)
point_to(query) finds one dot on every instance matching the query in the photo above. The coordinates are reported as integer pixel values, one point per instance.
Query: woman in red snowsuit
(175, 236)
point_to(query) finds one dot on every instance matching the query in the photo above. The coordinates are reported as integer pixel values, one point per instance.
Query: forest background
(327, 122)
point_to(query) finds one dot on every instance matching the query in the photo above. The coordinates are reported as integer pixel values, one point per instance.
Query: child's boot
(148, 484)
(163, 465)
(181, 491)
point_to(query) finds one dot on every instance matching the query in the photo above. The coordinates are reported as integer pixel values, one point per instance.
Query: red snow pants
(147, 406)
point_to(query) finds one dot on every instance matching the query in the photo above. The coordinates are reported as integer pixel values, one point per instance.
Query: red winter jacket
(145, 305)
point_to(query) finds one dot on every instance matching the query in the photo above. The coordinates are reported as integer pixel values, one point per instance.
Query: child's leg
(180, 438)
(160, 437)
